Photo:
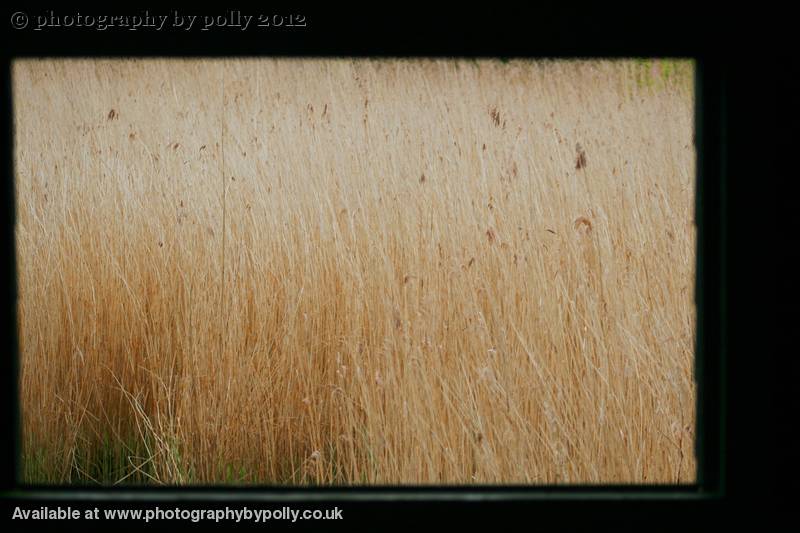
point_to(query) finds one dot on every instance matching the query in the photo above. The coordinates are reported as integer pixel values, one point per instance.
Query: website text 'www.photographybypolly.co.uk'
(227, 514)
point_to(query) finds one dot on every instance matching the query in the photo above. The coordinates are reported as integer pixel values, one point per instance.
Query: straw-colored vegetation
(355, 272)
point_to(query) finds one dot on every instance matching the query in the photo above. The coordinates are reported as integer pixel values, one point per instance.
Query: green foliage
(661, 73)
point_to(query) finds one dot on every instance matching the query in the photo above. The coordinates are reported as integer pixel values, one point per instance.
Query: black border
(729, 486)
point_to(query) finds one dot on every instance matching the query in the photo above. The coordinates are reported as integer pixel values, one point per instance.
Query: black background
(747, 51)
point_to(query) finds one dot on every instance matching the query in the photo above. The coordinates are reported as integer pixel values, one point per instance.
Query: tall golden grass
(355, 272)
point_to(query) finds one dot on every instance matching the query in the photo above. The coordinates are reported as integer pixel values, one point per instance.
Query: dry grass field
(355, 272)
